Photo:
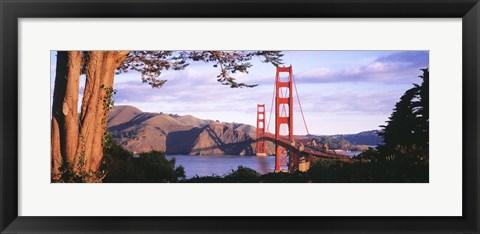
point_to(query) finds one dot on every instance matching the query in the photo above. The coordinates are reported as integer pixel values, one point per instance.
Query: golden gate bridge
(290, 154)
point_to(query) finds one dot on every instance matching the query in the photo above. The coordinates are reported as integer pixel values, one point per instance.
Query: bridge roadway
(307, 150)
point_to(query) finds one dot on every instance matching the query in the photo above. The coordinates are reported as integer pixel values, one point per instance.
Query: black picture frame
(11, 11)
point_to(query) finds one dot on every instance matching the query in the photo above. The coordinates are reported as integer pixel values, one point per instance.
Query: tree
(119, 166)
(400, 128)
(424, 109)
(76, 140)
(242, 175)
(408, 124)
(64, 127)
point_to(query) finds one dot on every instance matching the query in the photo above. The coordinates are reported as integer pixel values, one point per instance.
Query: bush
(327, 171)
(403, 165)
(206, 179)
(243, 175)
(117, 163)
(151, 167)
(285, 177)
(155, 168)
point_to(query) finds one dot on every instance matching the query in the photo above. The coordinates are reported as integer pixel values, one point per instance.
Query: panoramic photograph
(240, 116)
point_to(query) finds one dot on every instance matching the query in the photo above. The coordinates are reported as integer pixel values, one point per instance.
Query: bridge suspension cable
(300, 105)
(289, 155)
(271, 109)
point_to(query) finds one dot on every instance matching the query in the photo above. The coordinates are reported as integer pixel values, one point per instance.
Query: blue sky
(341, 91)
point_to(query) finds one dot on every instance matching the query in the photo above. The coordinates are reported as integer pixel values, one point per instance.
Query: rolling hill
(139, 131)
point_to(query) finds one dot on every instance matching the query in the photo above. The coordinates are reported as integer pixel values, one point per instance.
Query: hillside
(139, 131)
(363, 138)
(358, 141)
(193, 121)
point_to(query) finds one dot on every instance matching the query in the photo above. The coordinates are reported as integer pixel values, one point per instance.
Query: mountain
(193, 121)
(122, 114)
(212, 139)
(139, 131)
(363, 138)
(358, 141)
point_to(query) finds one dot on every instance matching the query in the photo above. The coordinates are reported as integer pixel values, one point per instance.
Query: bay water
(207, 165)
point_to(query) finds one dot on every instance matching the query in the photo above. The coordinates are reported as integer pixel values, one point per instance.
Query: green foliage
(360, 170)
(400, 128)
(118, 163)
(328, 171)
(285, 177)
(180, 172)
(79, 176)
(76, 173)
(405, 169)
(81, 156)
(404, 156)
(242, 175)
(151, 167)
(151, 63)
(424, 108)
(108, 101)
(108, 104)
(155, 167)
(409, 168)
(408, 124)
(405, 151)
(206, 179)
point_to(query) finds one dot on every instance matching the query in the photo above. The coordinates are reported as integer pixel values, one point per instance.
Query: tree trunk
(65, 111)
(76, 142)
(94, 112)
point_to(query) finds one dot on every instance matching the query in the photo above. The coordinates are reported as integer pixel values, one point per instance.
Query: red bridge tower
(283, 116)
(261, 130)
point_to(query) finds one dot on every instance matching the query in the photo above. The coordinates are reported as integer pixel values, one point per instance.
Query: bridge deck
(306, 149)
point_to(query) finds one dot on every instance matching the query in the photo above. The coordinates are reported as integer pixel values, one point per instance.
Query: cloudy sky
(340, 91)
